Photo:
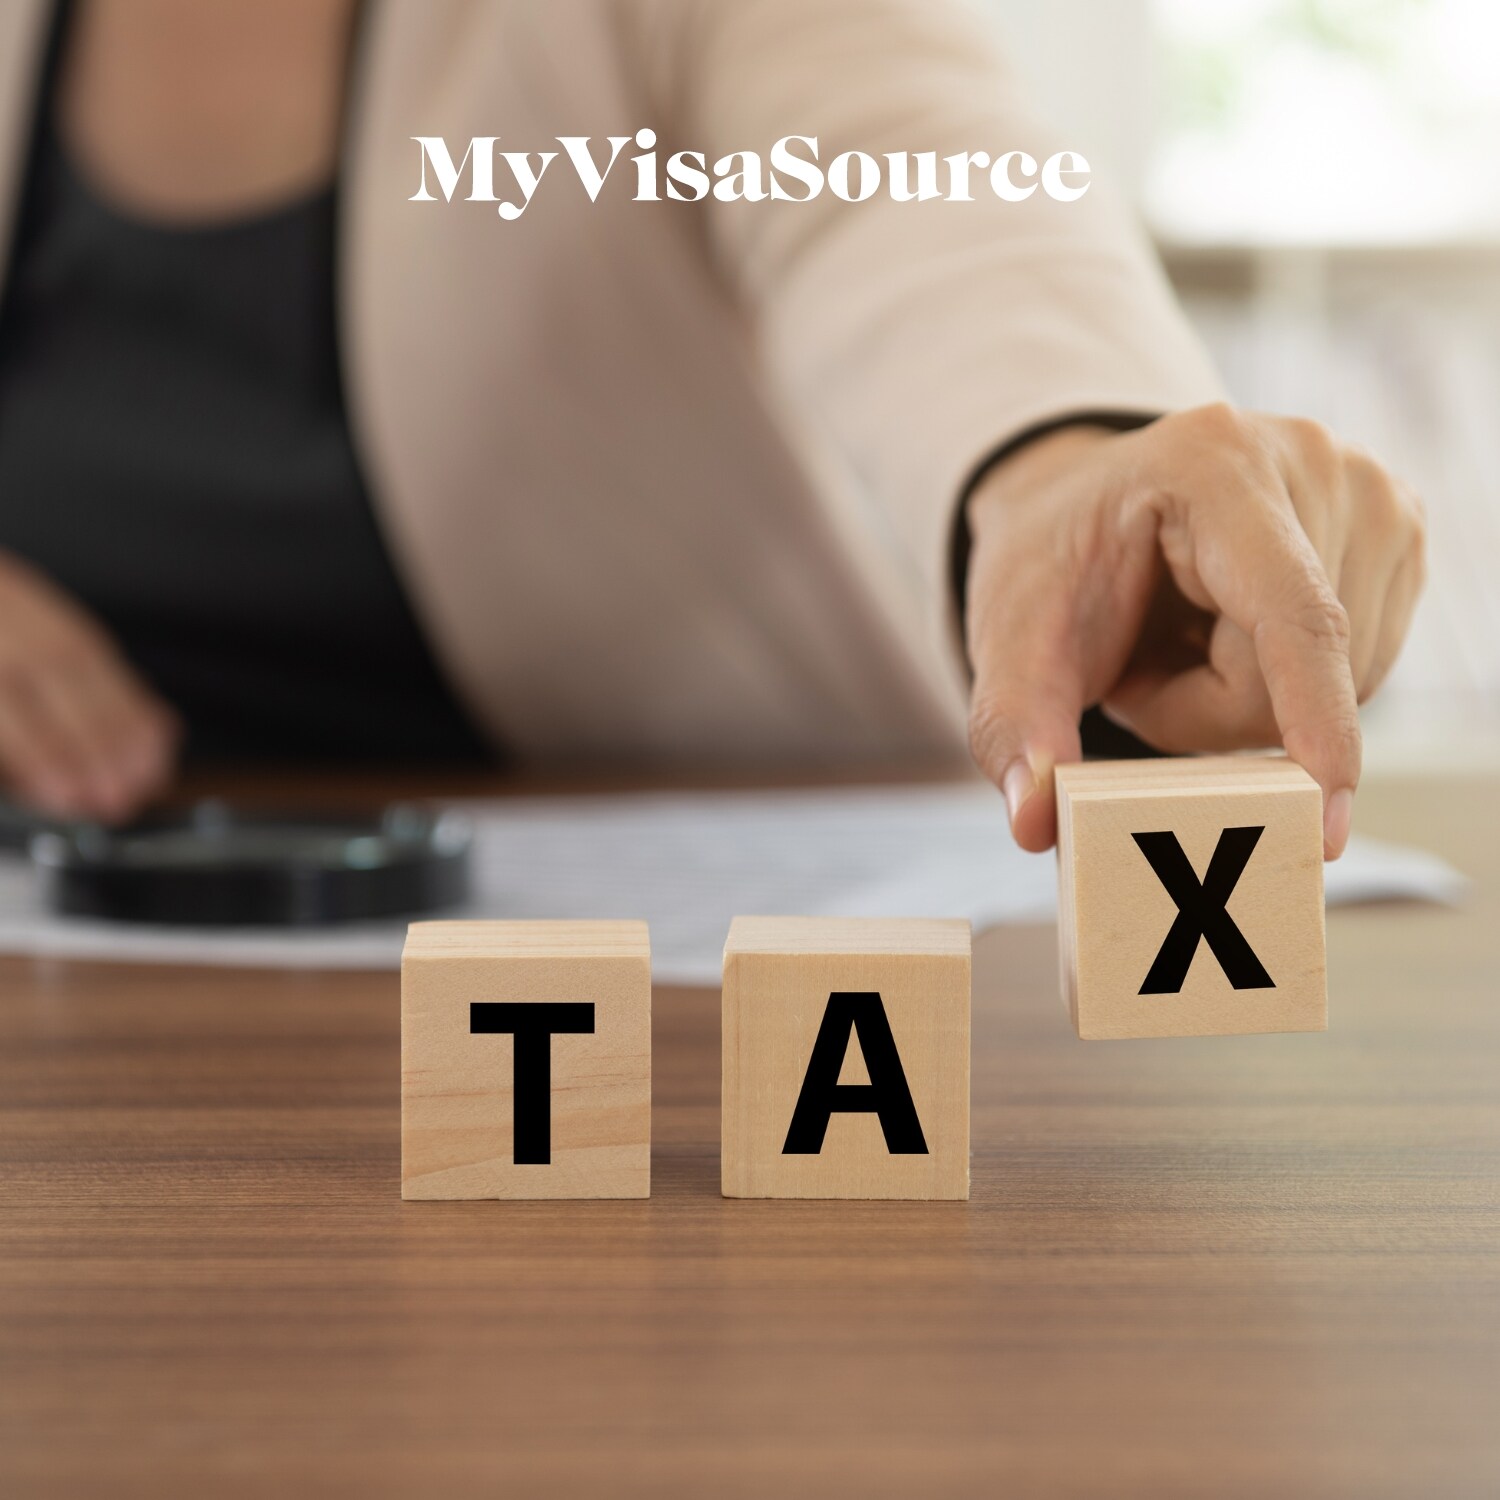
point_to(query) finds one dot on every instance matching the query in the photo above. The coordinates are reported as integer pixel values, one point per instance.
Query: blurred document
(687, 863)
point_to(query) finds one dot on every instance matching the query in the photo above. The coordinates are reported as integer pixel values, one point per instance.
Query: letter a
(885, 1095)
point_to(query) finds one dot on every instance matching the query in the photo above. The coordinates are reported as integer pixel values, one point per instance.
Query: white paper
(687, 863)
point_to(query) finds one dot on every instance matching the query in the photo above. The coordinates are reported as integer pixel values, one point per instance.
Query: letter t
(533, 1024)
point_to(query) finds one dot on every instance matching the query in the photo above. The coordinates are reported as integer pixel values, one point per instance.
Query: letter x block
(526, 1060)
(1190, 897)
(846, 1058)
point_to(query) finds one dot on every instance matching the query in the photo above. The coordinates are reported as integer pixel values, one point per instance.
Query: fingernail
(1042, 765)
(1019, 786)
(1337, 816)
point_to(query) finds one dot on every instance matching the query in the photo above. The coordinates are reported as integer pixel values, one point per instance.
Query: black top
(174, 453)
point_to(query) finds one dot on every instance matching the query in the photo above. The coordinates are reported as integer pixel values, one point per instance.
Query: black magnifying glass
(215, 865)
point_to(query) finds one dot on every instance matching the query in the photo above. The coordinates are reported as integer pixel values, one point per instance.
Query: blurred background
(1323, 180)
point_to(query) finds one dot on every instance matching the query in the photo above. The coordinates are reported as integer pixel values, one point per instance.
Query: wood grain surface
(1260, 1266)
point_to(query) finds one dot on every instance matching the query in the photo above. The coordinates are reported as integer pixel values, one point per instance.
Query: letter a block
(526, 1060)
(1190, 897)
(846, 1058)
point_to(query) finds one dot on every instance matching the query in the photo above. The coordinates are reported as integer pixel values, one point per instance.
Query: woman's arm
(919, 338)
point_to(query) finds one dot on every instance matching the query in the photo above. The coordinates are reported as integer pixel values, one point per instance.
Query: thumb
(1023, 722)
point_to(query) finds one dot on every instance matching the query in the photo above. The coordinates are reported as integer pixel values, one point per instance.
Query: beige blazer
(678, 480)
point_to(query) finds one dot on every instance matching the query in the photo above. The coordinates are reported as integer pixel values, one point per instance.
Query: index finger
(1263, 573)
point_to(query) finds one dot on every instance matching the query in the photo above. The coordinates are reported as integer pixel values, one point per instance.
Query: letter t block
(1190, 897)
(846, 1058)
(526, 1060)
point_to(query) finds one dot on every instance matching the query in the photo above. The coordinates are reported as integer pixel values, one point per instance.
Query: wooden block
(1190, 897)
(846, 1059)
(526, 1060)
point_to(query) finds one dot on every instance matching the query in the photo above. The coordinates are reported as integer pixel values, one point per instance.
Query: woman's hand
(1215, 581)
(80, 734)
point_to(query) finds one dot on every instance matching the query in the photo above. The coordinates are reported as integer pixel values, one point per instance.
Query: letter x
(1201, 911)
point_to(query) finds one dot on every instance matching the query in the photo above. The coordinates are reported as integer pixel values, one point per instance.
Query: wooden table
(1262, 1267)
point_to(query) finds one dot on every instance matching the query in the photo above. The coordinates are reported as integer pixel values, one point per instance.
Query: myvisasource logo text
(791, 172)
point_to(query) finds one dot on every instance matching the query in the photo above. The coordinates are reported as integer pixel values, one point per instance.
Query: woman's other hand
(80, 734)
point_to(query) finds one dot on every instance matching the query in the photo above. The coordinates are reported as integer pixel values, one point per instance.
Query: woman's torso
(174, 449)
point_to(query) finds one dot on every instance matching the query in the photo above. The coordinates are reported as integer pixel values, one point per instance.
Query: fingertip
(113, 803)
(1035, 830)
(1338, 818)
(1018, 784)
(1029, 798)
